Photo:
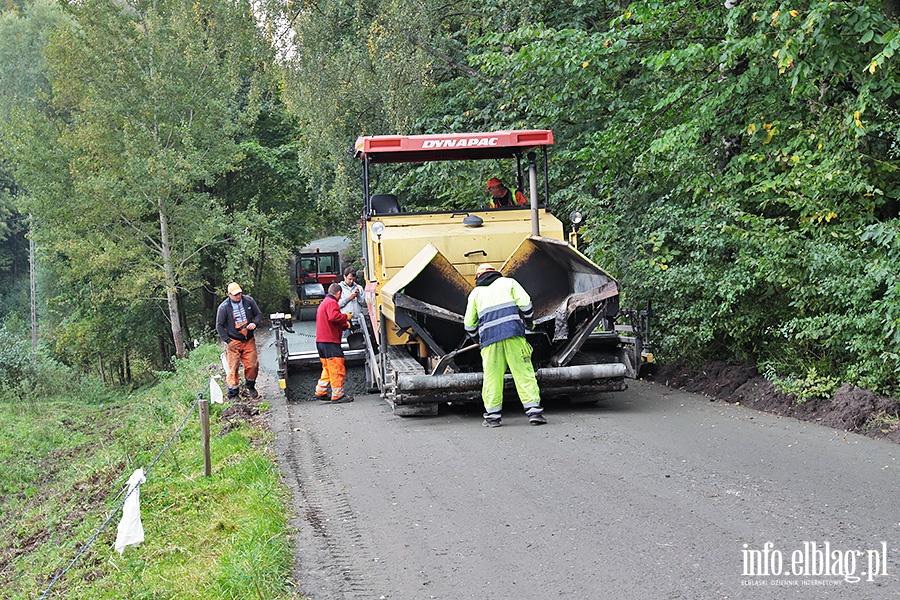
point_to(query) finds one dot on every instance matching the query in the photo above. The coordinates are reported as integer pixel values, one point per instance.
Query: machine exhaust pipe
(532, 189)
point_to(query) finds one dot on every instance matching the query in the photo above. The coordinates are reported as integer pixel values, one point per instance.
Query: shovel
(441, 367)
(356, 341)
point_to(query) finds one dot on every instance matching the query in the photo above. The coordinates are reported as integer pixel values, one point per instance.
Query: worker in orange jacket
(502, 196)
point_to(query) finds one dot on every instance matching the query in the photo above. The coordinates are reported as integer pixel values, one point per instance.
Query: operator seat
(385, 204)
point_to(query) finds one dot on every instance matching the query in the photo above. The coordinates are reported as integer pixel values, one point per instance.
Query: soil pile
(243, 409)
(851, 408)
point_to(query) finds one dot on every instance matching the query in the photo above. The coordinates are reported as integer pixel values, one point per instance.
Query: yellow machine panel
(464, 247)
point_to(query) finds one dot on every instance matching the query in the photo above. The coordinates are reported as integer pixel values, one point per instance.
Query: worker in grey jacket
(352, 297)
(236, 320)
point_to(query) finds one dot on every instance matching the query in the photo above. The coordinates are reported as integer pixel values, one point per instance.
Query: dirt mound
(851, 408)
(238, 413)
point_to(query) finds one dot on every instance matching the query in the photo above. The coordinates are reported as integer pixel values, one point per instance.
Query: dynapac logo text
(460, 143)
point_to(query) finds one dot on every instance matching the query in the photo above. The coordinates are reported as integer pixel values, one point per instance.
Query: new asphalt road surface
(647, 493)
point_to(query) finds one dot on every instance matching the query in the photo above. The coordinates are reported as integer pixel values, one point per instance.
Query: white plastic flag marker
(215, 392)
(131, 531)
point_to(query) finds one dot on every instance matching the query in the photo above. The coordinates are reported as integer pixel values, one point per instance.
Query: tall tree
(739, 158)
(359, 68)
(24, 89)
(151, 95)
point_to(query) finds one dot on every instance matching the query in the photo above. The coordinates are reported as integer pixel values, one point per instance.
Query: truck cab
(313, 269)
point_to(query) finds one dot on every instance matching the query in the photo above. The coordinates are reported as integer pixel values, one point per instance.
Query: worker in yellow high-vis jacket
(497, 313)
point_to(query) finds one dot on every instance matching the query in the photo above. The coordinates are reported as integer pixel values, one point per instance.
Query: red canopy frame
(449, 146)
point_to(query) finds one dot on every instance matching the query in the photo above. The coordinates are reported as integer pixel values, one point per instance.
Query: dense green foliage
(64, 461)
(737, 160)
(154, 153)
(37, 375)
(738, 163)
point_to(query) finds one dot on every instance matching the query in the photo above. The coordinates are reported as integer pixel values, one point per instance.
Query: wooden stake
(204, 433)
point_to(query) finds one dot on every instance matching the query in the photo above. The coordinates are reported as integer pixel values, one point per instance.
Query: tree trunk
(171, 285)
(172, 301)
(258, 275)
(210, 302)
(102, 370)
(163, 352)
(186, 331)
(32, 287)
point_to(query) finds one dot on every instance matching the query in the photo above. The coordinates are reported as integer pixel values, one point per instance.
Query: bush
(24, 373)
(811, 387)
(16, 360)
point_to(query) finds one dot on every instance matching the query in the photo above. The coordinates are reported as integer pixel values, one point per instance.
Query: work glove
(473, 337)
(349, 316)
(529, 323)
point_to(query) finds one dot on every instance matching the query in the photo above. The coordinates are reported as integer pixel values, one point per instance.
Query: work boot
(536, 415)
(491, 419)
(233, 393)
(343, 399)
(251, 388)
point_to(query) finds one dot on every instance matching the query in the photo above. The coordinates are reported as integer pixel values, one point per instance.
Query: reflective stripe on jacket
(496, 310)
(510, 198)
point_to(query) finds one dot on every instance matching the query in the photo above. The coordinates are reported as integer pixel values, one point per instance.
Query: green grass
(64, 462)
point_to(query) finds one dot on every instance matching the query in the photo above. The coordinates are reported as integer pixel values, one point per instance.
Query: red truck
(317, 265)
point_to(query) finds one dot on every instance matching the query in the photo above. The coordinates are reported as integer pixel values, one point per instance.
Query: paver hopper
(420, 268)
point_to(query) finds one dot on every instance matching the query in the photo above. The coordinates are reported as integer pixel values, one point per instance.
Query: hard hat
(492, 182)
(484, 268)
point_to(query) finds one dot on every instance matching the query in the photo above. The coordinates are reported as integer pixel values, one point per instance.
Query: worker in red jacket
(330, 322)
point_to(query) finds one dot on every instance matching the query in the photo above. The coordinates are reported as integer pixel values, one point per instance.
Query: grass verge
(64, 464)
